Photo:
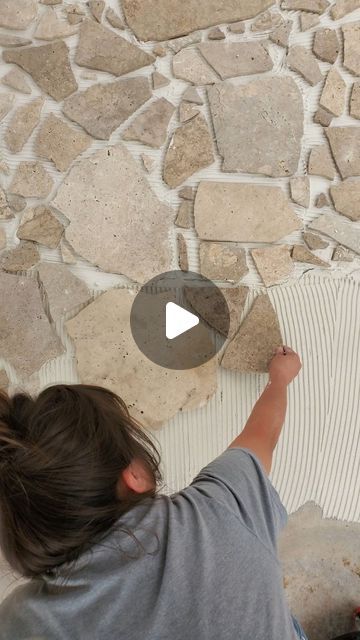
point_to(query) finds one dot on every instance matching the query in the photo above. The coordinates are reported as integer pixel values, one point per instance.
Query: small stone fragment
(323, 117)
(51, 28)
(3, 201)
(266, 21)
(96, 8)
(159, 50)
(40, 225)
(147, 162)
(314, 242)
(237, 27)
(6, 213)
(346, 198)
(185, 215)
(300, 190)
(252, 348)
(351, 33)
(341, 254)
(321, 162)
(189, 65)
(190, 150)
(222, 262)
(313, 6)
(22, 124)
(66, 253)
(334, 93)
(50, 2)
(2, 239)
(16, 80)
(17, 203)
(274, 264)
(308, 20)
(4, 380)
(281, 35)
(216, 34)
(150, 126)
(158, 80)
(208, 303)
(114, 19)
(182, 253)
(321, 201)
(342, 7)
(191, 95)
(355, 101)
(22, 258)
(17, 14)
(31, 180)
(49, 66)
(64, 291)
(102, 108)
(9, 40)
(231, 59)
(74, 9)
(343, 232)
(326, 45)
(73, 18)
(345, 146)
(302, 254)
(6, 103)
(58, 142)
(187, 111)
(187, 193)
(4, 168)
(181, 43)
(302, 61)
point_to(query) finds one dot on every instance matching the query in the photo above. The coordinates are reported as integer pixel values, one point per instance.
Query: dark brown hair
(61, 455)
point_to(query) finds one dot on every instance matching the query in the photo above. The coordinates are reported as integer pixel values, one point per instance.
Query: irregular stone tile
(187, 111)
(17, 14)
(2, 239)
(107, 355)
(300, 190)
(323, 117)
(40, 225)
(17, 203)
(351, 33)
(185, 215)
(190, 66)
(64, 291)
(231, 59)
(187, 193)
(159, 50)
(281, 35)
(308, 20)
(207, 303)
(313, 6)
(321, 201)
(190, 150)
(100, 48)
(240, 212)
(342, 7)
(74, 9)
(22, 124)
(341, 254)
(252, 348)
(314, 242)
(238, 111)
(102, 108)
(216, 34)
(96, 9)
(137, 224)
(222, 262)
(266, 21)
(334, 93)
(3, 201)
(9, 40)
(187, 16)
(51, 28)
(22, 258)
(274, 264)
(60, 143)
(302, 61)
(74, 18)
(31, 180)
(355, 101)
(4, 168)
(147, 162)
(114, 19)
(150, 126)
(182, 253)
(6, 213)
(191, 95)
(345, 146)
(321, 162)
(158, 80)
(49, 66)
(326, 45)
(27, 339)
(16, 80)
(302, 254)
(6, 103)
(346, 198)
(66, 253)
(237, 27)
(180, 43)
(343, 232)
(4, 380)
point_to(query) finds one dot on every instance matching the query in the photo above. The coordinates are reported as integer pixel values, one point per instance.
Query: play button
(179, 320)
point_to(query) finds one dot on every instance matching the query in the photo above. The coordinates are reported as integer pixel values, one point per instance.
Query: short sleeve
(238, 480)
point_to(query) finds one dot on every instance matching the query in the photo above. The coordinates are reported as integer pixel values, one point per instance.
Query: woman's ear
(136, 477)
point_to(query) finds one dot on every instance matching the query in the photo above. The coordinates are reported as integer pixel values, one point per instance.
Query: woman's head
(72, 461)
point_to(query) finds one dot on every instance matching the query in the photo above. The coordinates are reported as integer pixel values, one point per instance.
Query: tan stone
(17, 14)
(326, 45)
(351, 33)
(184, 218)
(189, 65)
(346, 198)
(187, 193)
(22, 124)
(10, 40)
(266, 21)
(343, 232)
(40, 225)
(4, 380)
(281, 35)
(159, 50)
(334, 93)
(300, 190)
(114, 19)
(209, 305)
(3, 200)
(31, 181)
(191, 95)
(66, 253)
(49, 66)
(341, 254)
(60, 143)
(182, 253)
(22, 258)
(4, 168)
(355, 101)
(237, 27)
(216, 34)
(321, 162)
(6, 213)
(302, 61)
(50, 2)
(6, 103)
(308, 20)
(51, 28)
(159, 81)
(134, 228)
(342, 7)
(73, 18)
(2, 239)
(222, 262)
(102, 108)
(302, 254)
(96, 9)
(190, 150)
(16, 80)
(274, 264)
(63, 289)
(187, 111)
(231, 59)
(147, 162)
(345, 146)
(240, 212)
(314, 242)
(180, 43)
(17, 203)
(101, 48)
(252, 348)
(313, 6)
(321, 201)
(323, 117)
(150, 126)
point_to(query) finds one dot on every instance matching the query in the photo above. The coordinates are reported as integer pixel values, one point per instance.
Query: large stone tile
(341, 8)
(321, 162)
(326, 45)
(345, 146)
(64, 291)
(150, 126)
(209, 305)
(351, 33)
(343, 232)
(346, 198)
(281, 35)
(31, 180)
(60, 143)
(302, 60)
(190, 150)
(231, 59)
(22, 258)
(109, 203)
(274, 264)
(314, 6)
(17, 80)
(189, 65)
(334, 93)
(238, 111)
(22, 124)
(17, 14)
(222, 262)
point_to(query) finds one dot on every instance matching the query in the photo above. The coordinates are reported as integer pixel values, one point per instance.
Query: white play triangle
(178, 320)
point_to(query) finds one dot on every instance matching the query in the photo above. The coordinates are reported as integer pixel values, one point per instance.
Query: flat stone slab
(351, 33)
(100, 48)
(334, 93)
(58, 142)
(326, 45)
(159, 81)
(10, 40)
(323, 117)
(345, 147)
(22, 124)
(252, 348)
(190, 149)
(50, 27)
(302, 254)
(300, 190)
(63, 289)
(314, 242)
(240, 212)
(17, 14)
(17, 80)
(238, 111)
(341, 231)
(321, 201)
(6, 103)
(22, 258)
(206, 303)
(183, 259)
(341, 254)
(40, 225)
(185, 216)
(191, 95)
(31, 180)
(150, 127)
(222, 262)
(308, 20)
(313, 6)
(114, 19)
(269, 20)
(321, 162)
(104, 107)
(134, 228)
(151, 21)
(96, 8)
(48, 65)
(190, 66)
(342, 7)
(346, 198)
(281, 34)
(107, 355)
(355, 101)
(303, 61)
(274, 264)
(187, 111)
(231, 59)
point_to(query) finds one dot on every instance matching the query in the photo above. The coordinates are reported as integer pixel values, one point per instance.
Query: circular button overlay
(179, 320)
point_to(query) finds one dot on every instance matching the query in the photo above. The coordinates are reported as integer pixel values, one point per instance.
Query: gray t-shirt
(210, 569)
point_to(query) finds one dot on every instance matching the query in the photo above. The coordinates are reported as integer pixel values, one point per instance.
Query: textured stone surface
(238, 111)
(187, 111)
(10, 40)
(231, 59)
(103, 107)
(355, 101)
(22, 124)
(252, 347)
(341, 254)
(314, 242)
(17, 14)
(266, 21)
(40, 225)
(66, 253)
(147, 162)
(321, 201)
(216, 34)
(22, 258)
(302, 254)
(4, 380)
(159, 81)
(4, 168)
(191, 95)
(100, 48)
(150, 20)
(326, 45)
(351, 33)
(27, 340)
(96, 9)
(342, 7)
(274, 264)
(323, 117)
(189, 65)
(16, 80)
(302, 61)
(180, 43)
(182, 252)
(2, 239)
(314, 6)
(222, 262)
(345, 146)
(321, 162)
(300, 190)
(206, 303)
(346, 198)
(49, 66)
(134, 225)
(159, 50)
(150, 126)
(342, 232)
(31, 180)
(237, 27)
(334, 93)
(17, 203)
(187, 193)
(107, 355)
(308, 20)
(184, 218)
(239, 212)
(114, 19)
(190, 150)
(51, 28)
(64, 291)
(6, 103)
(59, 142)
(6, 213)
(281, 35)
